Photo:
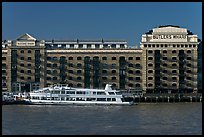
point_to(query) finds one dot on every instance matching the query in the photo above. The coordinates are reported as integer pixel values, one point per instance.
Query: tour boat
(61, 94)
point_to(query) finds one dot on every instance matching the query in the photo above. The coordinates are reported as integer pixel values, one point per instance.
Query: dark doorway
(27, 87)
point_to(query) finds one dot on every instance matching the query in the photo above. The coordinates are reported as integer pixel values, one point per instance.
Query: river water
(142, 119)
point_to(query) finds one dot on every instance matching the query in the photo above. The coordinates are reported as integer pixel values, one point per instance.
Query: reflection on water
(142, 119)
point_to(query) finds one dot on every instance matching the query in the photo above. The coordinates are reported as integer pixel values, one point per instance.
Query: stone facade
(165, 62)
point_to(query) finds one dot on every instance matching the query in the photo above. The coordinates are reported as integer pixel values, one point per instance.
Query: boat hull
(48, 102)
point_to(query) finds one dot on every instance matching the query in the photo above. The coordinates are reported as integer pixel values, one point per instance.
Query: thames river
(142, 119)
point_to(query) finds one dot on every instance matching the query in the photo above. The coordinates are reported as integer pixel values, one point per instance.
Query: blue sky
(97, 20)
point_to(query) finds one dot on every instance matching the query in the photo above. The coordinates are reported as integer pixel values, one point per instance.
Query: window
(70, 78)
(113, 78)
(104, 78)
(113, 46)
(150, 71)
(78, 78)
(3, 58)
(54, 78)
(137, 58)
(174, 78)
(70, 58)
(173, 51)
(130, 78)
(28, 78)
(80, 45)
(188, 78)
(174, 65)
(189, 65)
(54, 65)
(97, 46)
(79, 65)
(150, 65)
(104, 58)
(113, 71)
(130, 58)
(104, 71)
(71, 71)
(164, 58)
(105, 45)
(188, 71)
(79, 85)
(22, 65)
(150, 78)
(79, 58)
(113, 66)
(137, 71)
(29, 65)
(188, 58)
(164, 85)
(188, 51)
(49, 58)
(29, 58)
(29, 51)
(174, 85)
(71, 65)
(130, 72)
(164, 71)
(137, 85)
(113, 58)
(78, 71)
(22, 78)
(130, 85)
(145, 45)
(165, 65)
(164, 78)
(137, 65)
(150, 58)
(88, 45)
(22, 51)
(164, 51)
(22, 58)
(122, 46)
(174, 58)
(174, 71)
(22, 71)
(48, 78)
(71, 45)
(48, 65)
(137, 78)
(150, 51)
(29, 71)
(130, 65)
(174, 46)
(150, 85)
(48, 71)
(54, 71)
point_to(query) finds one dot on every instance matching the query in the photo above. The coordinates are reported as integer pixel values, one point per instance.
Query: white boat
(60, 94)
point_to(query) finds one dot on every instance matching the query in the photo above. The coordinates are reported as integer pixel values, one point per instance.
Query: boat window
(80, 92)
(113, 99)
(70, 92)
(62, 92)
(108, 99)
(90, 99)
(118, 93)
(101, 99)
(94, 93)
(101, 93)
(111, 93)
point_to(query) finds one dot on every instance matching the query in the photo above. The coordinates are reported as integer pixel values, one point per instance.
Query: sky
(96, 20)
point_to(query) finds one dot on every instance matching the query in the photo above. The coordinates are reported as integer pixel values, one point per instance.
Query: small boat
(61, 94)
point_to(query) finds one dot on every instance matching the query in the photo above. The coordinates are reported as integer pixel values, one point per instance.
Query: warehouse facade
(165, 62)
